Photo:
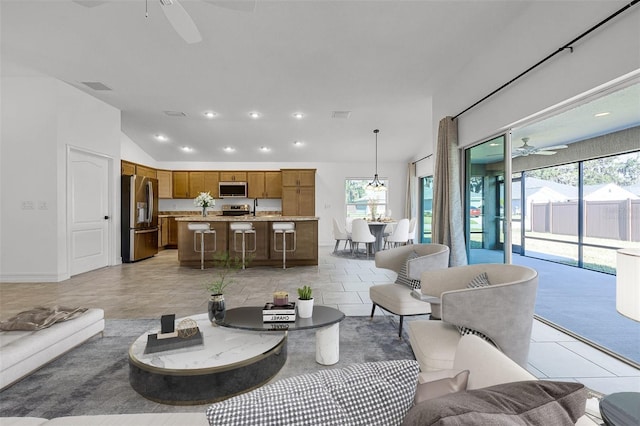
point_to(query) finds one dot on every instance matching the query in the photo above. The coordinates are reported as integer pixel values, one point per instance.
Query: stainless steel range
(235, 209)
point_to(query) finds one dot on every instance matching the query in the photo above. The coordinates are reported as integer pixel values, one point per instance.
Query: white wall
(41, 117)
(606, 54)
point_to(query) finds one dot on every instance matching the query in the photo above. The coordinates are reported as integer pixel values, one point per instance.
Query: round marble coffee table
(229, 362)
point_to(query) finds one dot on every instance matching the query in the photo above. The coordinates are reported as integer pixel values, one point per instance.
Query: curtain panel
(447, 226)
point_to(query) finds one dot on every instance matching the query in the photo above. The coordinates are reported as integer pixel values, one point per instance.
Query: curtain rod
(561, 49)
(428, 156)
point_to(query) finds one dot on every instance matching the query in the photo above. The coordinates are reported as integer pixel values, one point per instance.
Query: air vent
(175, 113)
(96, 85)
(341, 114)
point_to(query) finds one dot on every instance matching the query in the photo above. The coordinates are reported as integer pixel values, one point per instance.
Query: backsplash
(185, 206)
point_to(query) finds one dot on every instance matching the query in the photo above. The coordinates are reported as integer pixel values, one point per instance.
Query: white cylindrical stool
(328, 345)
(200, 228)
(284, 228)
(243, 228)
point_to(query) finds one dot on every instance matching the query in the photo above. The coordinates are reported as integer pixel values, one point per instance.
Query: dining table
(377, 229)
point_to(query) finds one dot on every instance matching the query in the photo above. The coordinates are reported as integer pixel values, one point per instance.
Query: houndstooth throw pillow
(481, 280)
(375, 393)
(402, 273)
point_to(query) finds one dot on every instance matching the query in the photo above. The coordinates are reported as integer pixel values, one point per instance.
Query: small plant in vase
(305, 302)
(204, 200)
(224, 265)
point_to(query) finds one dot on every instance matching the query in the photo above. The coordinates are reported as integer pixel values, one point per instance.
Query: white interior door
(89, 211)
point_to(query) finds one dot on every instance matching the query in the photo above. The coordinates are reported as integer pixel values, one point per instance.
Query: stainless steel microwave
(233, 189)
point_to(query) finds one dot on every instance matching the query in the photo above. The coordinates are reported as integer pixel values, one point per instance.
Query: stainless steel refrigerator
(139, 218)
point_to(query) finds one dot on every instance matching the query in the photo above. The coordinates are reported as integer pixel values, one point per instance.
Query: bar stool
(284, 228)
(243, 228)
(202, 229)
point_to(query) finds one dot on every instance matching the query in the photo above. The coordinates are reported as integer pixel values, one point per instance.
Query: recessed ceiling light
(229, 149)
(298, 143)
(298, 115)
(187, 149)
(254, 114)
(210, 114)
(265, 149)
(601, 114)
(161, 138)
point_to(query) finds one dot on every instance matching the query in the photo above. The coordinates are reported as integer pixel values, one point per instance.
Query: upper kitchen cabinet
(165, 183)
(203, 182)
(298, 192)
(299, 177)
(264, 184)
(146, 171)
(180, 184)
(127, 168)
(231, 176)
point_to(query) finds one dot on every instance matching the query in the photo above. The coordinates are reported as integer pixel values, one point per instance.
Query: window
(365, 203)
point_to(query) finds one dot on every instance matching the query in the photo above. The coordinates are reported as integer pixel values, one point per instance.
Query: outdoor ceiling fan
(180, 19)
(527, 149)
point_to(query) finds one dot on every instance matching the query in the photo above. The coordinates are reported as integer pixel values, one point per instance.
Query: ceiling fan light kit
(527, 149)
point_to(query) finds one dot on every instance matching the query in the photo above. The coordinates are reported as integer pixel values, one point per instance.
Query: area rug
(94, 377)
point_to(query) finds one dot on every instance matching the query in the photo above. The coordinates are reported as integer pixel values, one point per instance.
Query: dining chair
(412, 231)
(399, 235)
(340, 234)
(360, 233)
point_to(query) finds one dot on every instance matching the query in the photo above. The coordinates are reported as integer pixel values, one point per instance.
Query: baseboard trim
(33, 278)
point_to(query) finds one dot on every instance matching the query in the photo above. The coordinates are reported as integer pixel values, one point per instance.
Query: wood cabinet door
(289, 201)
(146, 171)
(196, 184)
(127, 168)
(164, 234)
(289, 178)
(233, 176)
(165, 183)
(272, 184)
(211, 180)
(173, 232)
(255, 184)
(306, 201)
(307, 177)
(180, 184)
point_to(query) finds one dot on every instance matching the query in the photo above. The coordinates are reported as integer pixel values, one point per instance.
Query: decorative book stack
(279, 313)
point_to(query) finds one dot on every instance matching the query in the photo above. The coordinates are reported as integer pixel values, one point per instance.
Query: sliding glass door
(486, 202)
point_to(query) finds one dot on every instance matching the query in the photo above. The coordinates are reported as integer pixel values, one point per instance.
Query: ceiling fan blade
(541, 152)
(555, 147)
(181, 21)
(239, 5)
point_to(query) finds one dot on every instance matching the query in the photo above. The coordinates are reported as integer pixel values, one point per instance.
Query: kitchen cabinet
(127, 168)
(180, 184)
(264, 184)
(298, 192)
(165, 183)
(163, 231)
(146, 171)
(233, 176)
(172, 232)
(203, 182)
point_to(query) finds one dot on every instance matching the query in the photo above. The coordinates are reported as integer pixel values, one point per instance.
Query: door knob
(106, 218)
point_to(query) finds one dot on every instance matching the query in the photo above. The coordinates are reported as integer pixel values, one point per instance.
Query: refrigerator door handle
(149, 202)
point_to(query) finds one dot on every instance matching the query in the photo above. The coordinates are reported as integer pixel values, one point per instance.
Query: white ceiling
(381, 60)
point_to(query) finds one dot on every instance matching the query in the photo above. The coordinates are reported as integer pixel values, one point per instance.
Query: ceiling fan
(180, 19)
(527, 149)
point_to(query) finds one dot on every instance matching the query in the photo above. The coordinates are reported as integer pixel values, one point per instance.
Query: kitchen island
(306, 252)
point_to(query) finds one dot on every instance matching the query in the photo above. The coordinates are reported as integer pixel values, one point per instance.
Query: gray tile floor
(159, 285)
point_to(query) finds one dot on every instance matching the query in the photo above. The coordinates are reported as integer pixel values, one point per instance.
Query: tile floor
(159, 285)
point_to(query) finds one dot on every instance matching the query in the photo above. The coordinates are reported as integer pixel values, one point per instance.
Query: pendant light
(375, 184)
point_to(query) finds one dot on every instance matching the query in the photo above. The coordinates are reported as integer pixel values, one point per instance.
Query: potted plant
(224, 265)
(305, 302)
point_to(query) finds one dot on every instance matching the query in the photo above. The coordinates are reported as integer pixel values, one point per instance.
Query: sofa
(22, 352)
(379, 393)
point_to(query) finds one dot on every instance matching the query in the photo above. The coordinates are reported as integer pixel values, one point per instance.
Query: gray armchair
(502, 311)
(396, 298)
